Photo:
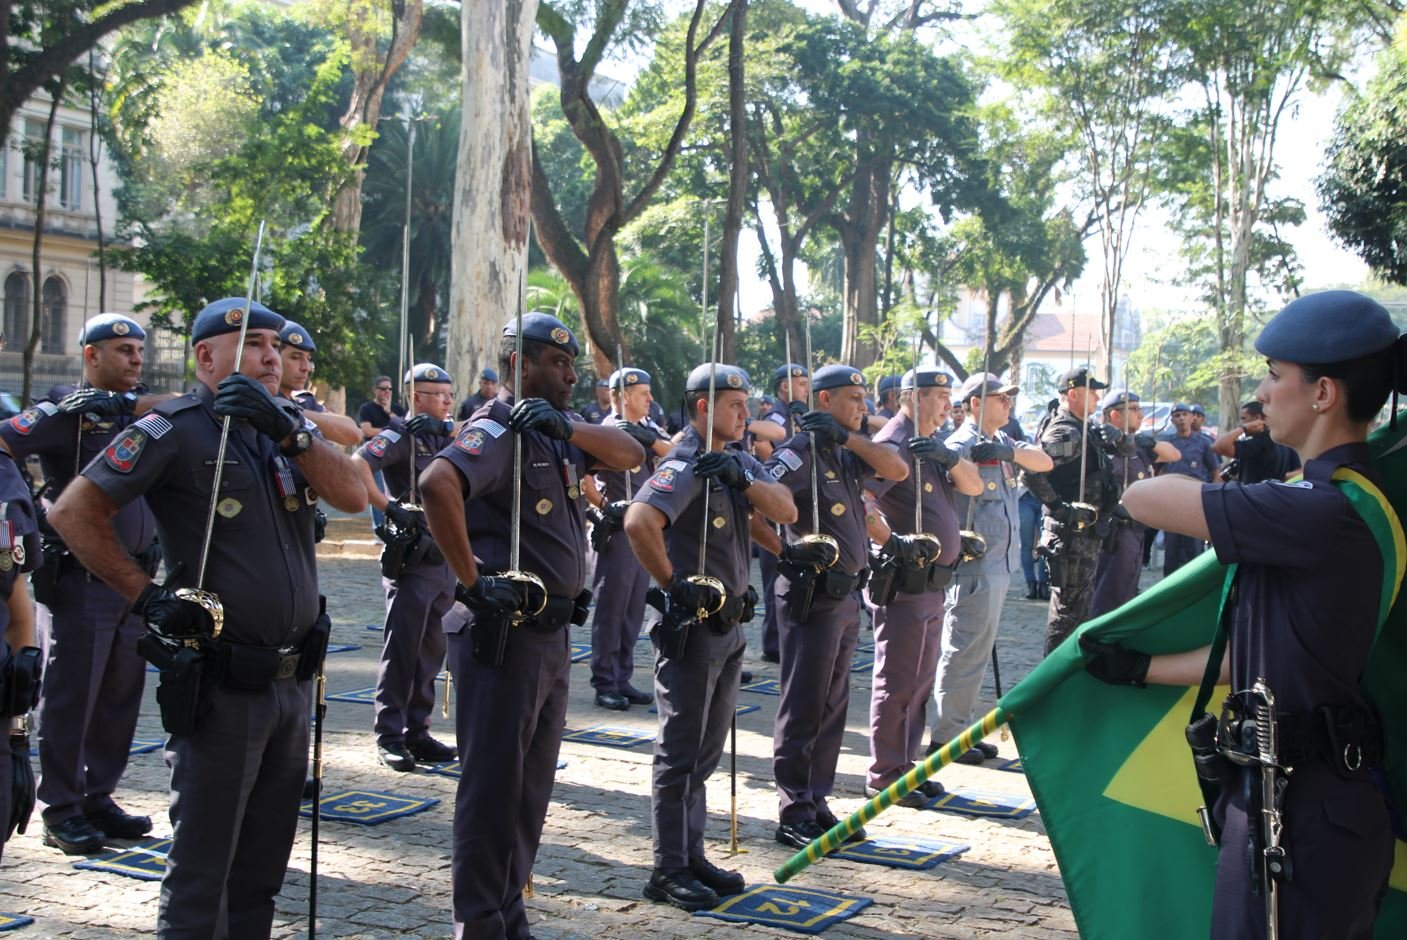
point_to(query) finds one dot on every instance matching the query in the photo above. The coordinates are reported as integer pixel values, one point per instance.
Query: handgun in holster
(488, 630)
(884, 578)
(401, 544)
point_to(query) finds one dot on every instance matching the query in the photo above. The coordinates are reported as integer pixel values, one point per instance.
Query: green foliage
(1363, 191)
(1183, 361)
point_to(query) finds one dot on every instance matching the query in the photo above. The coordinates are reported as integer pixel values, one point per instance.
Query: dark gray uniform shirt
(262, 561)
(1198, 459)
(841, 477)
(611, 483)
(389, 452)
(676, 492)
(896, 500)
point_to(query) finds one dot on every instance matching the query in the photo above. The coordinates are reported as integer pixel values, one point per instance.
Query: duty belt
(838, 584)
(1348, 738)
(555, 615)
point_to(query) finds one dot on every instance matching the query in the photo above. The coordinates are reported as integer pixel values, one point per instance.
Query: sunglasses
(383, 388)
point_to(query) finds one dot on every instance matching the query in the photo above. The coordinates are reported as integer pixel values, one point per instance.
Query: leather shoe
(115, 824)
(745, 678)
(971, 756)
(612, 700)
(679, 886)
(799, 835)
(771, 657)
(427, 750)
(75, 836)
(912, 800)
(826, 820)
(988, 750)
(396, 757)
(932, 789)
(723, 883)
(636, 697)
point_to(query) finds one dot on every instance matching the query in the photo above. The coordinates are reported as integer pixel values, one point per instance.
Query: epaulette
(180, 403)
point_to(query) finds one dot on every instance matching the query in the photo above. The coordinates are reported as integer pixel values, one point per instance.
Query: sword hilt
(530, 582)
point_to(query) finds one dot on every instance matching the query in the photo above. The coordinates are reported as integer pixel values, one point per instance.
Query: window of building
(53, 310)
(17, 309)
(71, 170)
(33, 140)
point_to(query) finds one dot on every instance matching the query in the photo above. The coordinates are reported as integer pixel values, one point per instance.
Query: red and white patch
(121, 455)
(377, 447)
(25, 421)
(471, 441)
(663, 480)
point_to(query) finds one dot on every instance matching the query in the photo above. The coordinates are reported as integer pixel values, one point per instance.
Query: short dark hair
(1254, 407)
(382, 378)
(507, 345)
(1367, 380)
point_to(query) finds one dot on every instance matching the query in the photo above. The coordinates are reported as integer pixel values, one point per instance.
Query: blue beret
(223, 316)
(837, 376)
(627, 377)
(545, 328)
(888, 383)
(489, 375)
(294, 335)
(427, 372)
(725, 378)
(1198, 410)
(1327, 327)
(1078, 378)
(1180, 406)
(790, 370)
(1116, 398)
(925, 377)
(110, 326)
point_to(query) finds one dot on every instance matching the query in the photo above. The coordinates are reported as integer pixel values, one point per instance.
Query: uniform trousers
(907, 632)
(236, 784)
(767, 565)
(696, 695)
(619, 584)
(1116, 575)
(1341, 849)
(412, 651)
(1032, 565)
(509, 726)
(92, 692)
(815, 682)
(1072, 569)
(974, 608)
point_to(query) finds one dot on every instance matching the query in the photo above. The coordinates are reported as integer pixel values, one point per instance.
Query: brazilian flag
(1110, 767)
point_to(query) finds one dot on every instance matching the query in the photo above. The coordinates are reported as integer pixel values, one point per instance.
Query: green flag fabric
(1111, 769)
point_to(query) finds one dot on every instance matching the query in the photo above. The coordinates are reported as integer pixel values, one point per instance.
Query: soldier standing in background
(296, 349)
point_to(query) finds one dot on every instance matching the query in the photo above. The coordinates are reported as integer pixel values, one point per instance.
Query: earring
(1315, 406)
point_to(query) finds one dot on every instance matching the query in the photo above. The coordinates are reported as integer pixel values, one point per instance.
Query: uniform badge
(121, 329)
(377, 447)
(25, 421)
(830, 474)
(719, 522)
(560, 336)
(471, 442)
(573, 492)
(735, 380)
(121, 455)
(234, 315)
(837, 509)
(7, 561)
(18, 553)
(543, 507)
(1140, 474)
(290, 503)
(295, 338)
(927, 487)
(229, 508)
(1192, 464)
(991, 484)
(663, 480)
(778, 472)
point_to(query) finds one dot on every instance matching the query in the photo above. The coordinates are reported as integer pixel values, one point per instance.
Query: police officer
(418, 583)
(238, 718)
(819, 631)
(596, 411)
(908, 616)
(1253, 455)
(512, 684)
(696, 673)
(1069, 540)
(1309, 580)
(888, 394)
(88, 711)
(488, 391)
(296, 349)
(1120, 556)
(790, 384)
(1197, 460)
(978, 591)
(618, 581)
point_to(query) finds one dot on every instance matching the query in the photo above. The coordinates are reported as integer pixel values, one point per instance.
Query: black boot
(1043, 587)
(724, 883)
(1032, 591)
(680, 887)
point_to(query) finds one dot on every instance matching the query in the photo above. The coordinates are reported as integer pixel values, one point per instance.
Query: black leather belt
(1348, 738)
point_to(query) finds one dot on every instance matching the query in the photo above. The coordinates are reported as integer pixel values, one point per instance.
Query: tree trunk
(95, 152)
(493, 184)
(371, 74)
(737, 184)
(859, 237)
(41, 193)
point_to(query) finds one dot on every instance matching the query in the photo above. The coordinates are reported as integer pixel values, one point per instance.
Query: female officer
(1303, 619)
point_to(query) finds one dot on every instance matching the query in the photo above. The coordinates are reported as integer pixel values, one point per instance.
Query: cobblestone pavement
(393, 880)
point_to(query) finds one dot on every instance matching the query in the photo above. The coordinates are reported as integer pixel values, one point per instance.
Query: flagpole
(837, 834)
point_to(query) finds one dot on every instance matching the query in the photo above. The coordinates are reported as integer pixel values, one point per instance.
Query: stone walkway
(393, 880)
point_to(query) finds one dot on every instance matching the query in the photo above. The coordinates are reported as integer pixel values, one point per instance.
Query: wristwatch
(299, 442)
(748, 477)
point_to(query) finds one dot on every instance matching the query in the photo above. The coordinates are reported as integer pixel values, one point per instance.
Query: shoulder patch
(471, 441)
(663, 480)
(673, 465)
(48, 407)
(778, 471)
(157, 426)
(789, 457)
(1300, 485)
(391, 435)
(776, 417)
(25, 421)
(488, 424)
(376, 447)
(122, 454)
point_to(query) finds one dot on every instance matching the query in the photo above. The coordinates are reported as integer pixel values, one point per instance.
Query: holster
(314, 647)
(884, 579)
(178, 691)
(1214, 772)
(801, 593)
(19, 679)
(488, 634)
(319, 526)
(44, 582)
(669, 634)
(749, 606)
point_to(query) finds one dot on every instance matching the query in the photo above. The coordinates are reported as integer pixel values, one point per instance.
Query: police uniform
(1071, 552)
(816, 651)
(417, 598)
(908, 629)
(237, 778)
(94, 677)
(19, 553)
(509, 717)
(296, 336)
(1198, 460)
(594, 412)
(978, 591)
(887, 384)
(618, 581)
(766, 561)
(1121, 555)
(697, 690)
(474, 402)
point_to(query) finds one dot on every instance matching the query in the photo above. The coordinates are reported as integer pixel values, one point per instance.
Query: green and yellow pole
(892, 794)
